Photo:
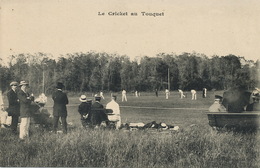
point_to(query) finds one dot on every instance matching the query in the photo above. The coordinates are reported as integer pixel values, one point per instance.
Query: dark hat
(59, 85)
(97, 98)
(217, 97)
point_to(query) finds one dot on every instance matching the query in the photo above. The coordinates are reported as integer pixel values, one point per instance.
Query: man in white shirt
(124, 96)
(115, 115)
(167, 93)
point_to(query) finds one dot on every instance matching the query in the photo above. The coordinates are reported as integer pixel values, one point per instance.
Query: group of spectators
(23, 105)
(236, 101)
(95, 115)
(20, 101)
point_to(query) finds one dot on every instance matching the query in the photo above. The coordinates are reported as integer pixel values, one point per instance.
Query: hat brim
(82, 100)
(26, 84)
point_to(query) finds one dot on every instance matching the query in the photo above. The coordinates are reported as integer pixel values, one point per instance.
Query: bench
(247, 120)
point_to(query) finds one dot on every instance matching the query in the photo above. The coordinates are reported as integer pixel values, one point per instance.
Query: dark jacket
(84, 108)
(98, 114)
(14, 105)
(60, 101)
(25, 104)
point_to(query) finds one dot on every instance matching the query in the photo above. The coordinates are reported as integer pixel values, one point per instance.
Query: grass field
(194, 145)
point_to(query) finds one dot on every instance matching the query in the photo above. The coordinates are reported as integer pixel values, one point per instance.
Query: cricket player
(193, 94)
(181, 93)
(167, 93)
(124, 95)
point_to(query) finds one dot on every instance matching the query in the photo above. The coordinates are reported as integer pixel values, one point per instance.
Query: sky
(210, 27)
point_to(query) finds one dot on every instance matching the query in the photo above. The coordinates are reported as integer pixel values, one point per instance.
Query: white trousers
(24, 127)
(5, 119)
(116, 118)
(194, 96)
(182, 95)
(124, 97)
(167, 95)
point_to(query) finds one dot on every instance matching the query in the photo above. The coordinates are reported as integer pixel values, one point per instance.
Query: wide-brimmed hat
(14, 83)
(83, 98)
(23, 83)
(59, 85)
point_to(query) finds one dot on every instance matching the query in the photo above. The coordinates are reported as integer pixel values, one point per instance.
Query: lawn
(196, 144)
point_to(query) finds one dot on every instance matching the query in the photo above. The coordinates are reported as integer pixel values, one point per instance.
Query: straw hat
(83, 98)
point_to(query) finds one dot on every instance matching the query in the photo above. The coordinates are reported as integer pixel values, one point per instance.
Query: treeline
(93, 72)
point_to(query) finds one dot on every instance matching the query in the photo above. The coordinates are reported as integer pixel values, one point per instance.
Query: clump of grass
(197, 146)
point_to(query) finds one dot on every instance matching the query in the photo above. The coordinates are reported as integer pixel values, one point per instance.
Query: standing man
(167, 93)
(124, 95)
(101, 94)
(59, 108)
(156, 92)
(25, 112)
(204, 92)
(14, 105)
(193, 94)
(115, 115)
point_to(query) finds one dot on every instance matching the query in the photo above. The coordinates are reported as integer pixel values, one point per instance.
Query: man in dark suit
(98, 114)
(14, 105)
(25, 109)
(59, 108)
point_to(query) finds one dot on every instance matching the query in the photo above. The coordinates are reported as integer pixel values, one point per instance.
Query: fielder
(167, 93)
(124, 96)
(193, 94)
(181, 93)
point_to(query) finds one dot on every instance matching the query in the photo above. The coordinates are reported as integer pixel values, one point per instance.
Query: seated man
(84, 110)
(217, 106)
(98, 114)
(255, 106)
(115, 115)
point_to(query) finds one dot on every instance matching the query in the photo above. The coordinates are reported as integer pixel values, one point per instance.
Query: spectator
(98, 114)
(115, 115)
(41, 100)
(3, 113)
(14, 106)
(25, 109)
(255, 106)
(59, 108)
(84, 110)
(217, 106)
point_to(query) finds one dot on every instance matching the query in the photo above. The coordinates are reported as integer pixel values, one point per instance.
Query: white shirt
(123, 92)
(113, 105)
